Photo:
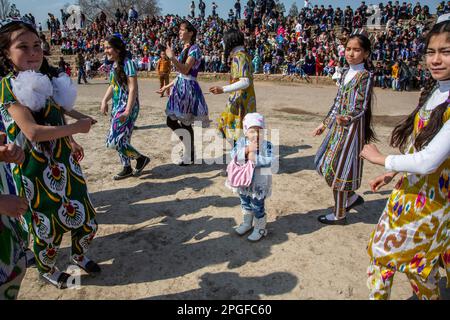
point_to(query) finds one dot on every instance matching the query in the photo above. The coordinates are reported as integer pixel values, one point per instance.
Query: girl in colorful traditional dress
(32, 108)
(186, 103)
(252, 147)
(12, 234)
(242, 98)
(413, 233)
(349, 120)
(124, 91)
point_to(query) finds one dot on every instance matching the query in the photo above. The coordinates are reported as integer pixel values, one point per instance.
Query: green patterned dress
(53, 182)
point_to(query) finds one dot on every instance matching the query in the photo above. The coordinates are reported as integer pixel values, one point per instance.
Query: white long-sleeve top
(243, 83)
(432, 156)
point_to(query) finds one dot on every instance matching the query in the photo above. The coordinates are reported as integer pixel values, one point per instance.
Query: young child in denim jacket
(252, 147)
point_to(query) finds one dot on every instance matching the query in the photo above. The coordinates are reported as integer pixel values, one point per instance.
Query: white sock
(331, 217)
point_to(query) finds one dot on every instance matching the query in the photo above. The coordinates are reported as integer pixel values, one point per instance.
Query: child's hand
(253, 146)
(216, 90)
(84, 125)
(371, 153)
(342, 120)
(104, 108)
(13, 206)
(11, 153)
(319, 130)
(162, 90)
(77, 151)
(381, 181)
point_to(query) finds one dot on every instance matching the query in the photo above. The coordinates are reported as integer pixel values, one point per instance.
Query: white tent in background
(74, 20)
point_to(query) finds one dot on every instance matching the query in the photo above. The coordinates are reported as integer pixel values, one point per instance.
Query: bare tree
(92, 8)
(5, 5)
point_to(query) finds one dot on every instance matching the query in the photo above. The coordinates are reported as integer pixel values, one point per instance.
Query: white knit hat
(253, 120)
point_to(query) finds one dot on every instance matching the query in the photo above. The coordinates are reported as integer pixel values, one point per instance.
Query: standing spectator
(214, 7)
(132, 15)
(163, 68)
(419, 77)
(192, 9)
(118, 16)
(231, 16)
(237, 8)
(61, 65)
(396, 76)
(202, 9)
(80, 62)
(45, 45)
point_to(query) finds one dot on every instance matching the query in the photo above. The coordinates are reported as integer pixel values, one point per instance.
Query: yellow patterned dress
(413, 232)
(239, 102)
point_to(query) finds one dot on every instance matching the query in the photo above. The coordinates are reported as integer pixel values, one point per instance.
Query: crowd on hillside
(302, 42)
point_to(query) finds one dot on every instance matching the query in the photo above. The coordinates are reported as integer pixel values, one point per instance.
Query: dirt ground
(169, 234)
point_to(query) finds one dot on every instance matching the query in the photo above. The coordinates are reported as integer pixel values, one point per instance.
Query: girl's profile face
(354, 53)
(25, 51)
(111, 53)
(253, 134)
(184, 34)
(437, 56)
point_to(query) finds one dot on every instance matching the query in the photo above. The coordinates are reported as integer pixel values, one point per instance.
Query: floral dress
(53, 183)
(239, 102)
(119, 137)
(414, 230)
(186, 102)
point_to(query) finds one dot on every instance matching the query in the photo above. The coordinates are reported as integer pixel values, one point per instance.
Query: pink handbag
(240, 175)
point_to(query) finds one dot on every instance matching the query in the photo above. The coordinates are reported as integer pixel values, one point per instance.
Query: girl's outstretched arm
(38, 133)
(426, 161)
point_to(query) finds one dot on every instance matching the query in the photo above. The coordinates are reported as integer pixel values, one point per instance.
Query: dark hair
(190, 27)
(232, 38)
(6, 66)
(365, 43)
(403, 131)
(117, 44)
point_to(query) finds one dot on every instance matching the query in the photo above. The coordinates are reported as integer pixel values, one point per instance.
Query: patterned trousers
(381, 279)
(119, 139)
(46, 250)
(340, 203)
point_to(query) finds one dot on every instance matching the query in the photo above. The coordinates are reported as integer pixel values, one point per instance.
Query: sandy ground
(169, 234)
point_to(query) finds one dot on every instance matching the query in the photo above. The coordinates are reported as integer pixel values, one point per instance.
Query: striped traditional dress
(338, 159)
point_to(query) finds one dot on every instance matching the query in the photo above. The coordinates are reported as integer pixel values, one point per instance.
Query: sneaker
(125, 173)
(142, 162)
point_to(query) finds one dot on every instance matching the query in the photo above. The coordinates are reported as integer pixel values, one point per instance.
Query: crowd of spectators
(302, 42)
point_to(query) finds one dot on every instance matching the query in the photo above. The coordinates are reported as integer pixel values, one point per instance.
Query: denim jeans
(254, 205)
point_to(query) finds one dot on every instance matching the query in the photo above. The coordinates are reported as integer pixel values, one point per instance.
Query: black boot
(142, 162)
(125, 173)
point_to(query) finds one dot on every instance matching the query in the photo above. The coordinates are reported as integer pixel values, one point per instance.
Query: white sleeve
(426, 161)
(242, 84)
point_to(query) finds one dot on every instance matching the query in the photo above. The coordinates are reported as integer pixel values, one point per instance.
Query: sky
(40, 8)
